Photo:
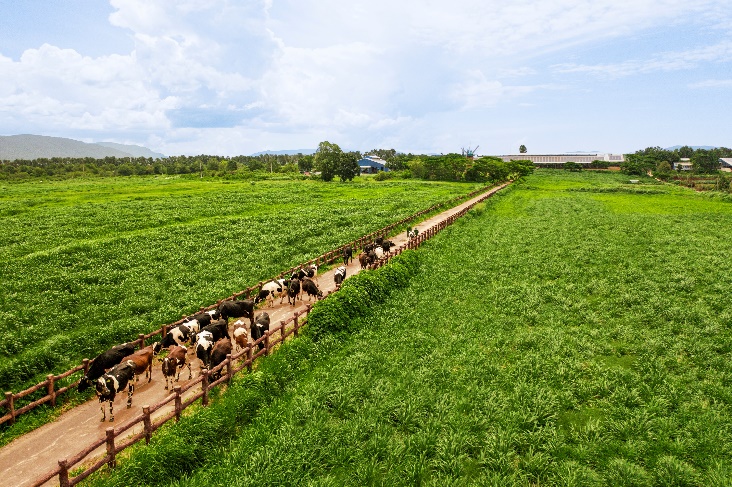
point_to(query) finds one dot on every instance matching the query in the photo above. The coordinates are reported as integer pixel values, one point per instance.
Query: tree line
(327, 163)
(661, 162)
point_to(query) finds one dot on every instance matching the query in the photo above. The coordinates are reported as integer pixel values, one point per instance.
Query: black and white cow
(378, 252)
(412, 233)
(103, 362)
(218, 328)
(261, 325)
(204, 346)
(310, 271)
(270, 291)
(237, 309)
(309, 287)
(293, 290)
(339, 276)
(347, 255)
(179, 335)
(114, 381)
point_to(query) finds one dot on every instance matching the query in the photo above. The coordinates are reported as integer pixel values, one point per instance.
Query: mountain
(40, 146)
(135, 150)
(290, 152)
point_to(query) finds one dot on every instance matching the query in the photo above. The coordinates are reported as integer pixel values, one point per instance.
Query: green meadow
(87, 264)
(573, 330)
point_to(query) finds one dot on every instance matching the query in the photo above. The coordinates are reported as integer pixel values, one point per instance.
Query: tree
(663, 170)
(305, 163)
(686, 152)
(327, 160)
(705, 161)
(348, 166)
(522, 149)
(572, 166)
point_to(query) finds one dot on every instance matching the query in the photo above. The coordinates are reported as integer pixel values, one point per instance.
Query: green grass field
(90, 263)
(574, 330)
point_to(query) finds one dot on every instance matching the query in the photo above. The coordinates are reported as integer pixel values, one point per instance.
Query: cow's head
(104, 385)
(156, 348)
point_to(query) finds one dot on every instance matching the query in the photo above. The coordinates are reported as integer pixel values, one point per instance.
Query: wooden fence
(233, 364)
(11, 400)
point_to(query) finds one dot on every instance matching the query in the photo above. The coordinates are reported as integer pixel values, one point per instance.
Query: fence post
(146, 423)
(63, 473)
(86, 365)
(204, 387)
(296, 324)
(228, 368)
(141, 338)
(51, 389)
(266, 343)
(250, 358)
(11, 406)
(282, 330)
(178, 403)
(111, 453)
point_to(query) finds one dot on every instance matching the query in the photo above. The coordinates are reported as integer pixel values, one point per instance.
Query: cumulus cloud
(237, 74)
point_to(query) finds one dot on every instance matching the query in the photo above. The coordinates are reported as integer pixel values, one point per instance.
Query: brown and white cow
(143, 360)
(175, 361)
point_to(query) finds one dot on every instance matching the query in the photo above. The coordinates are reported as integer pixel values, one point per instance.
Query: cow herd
(205, 335)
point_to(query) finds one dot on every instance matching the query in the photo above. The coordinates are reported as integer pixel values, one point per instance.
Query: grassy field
(90, 263)
(573, 331)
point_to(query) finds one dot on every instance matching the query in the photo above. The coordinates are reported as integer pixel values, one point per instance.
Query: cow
(270, 291)
(203, 318)
(103, 362)
(387, 245)
(412, 233)
(218, 329)
(378, 252)
(179, 335)
(339, 276)
(310, 271)
(114, 381)
(309, 287)
(241, 334)
(143, 360)
(237, 309)
(293, 290)
(175, 360)
(204, 346)
(363, 259)
(221, 349)
(261, 325)
(347, 255)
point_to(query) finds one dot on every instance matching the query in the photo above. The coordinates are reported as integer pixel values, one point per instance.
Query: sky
(235, 77)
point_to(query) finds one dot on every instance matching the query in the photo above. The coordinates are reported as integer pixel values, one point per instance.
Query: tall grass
(562, 336)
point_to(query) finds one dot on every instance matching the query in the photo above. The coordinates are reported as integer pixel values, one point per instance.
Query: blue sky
(236, 77)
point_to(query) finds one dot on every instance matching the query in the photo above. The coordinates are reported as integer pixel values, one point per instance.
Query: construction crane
(469, 152)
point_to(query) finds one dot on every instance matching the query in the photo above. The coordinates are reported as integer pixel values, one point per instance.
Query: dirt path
(38, 452)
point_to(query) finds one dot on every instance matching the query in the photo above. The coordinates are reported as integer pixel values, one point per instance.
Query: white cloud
(272, 71)
(668, 61)
(712, 83)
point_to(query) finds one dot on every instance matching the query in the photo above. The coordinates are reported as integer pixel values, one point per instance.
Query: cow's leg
(130, 391)
(111, 410)
(104, 411)
(149, 372)
(166, 382)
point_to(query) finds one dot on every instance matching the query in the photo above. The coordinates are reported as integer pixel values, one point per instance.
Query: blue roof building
(372, 165)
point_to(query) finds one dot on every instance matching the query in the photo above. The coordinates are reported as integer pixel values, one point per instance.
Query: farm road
(38, 452)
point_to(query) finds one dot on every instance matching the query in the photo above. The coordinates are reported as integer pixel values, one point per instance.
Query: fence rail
(10, 402)
(233, 364)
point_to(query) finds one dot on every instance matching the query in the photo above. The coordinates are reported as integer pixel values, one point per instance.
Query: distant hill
(695, 147)
(290, 152)
(40, 146)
